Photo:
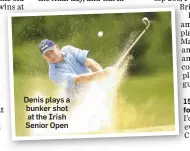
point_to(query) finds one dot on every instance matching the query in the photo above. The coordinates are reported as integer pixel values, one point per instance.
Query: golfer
(71, 66)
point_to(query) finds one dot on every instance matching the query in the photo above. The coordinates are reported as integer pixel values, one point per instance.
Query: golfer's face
(53, 56)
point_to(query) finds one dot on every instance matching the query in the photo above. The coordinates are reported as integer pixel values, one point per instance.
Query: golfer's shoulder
(68, 48)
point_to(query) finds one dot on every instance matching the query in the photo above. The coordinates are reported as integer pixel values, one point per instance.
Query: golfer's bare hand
(109, 70)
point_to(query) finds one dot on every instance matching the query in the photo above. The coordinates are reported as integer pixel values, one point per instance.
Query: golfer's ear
(57, 46)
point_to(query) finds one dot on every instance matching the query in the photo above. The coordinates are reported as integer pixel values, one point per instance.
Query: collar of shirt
(63, 52)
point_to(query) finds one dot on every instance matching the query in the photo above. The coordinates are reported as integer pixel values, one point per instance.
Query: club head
(146, 22)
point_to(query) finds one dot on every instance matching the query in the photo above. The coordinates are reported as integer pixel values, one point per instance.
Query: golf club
(146, 22)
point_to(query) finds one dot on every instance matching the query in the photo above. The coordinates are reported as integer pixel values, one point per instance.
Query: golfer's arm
(89, 77)
(93, 65)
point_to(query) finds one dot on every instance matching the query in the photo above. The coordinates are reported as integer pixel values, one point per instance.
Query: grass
(146, 101)
(143, 101)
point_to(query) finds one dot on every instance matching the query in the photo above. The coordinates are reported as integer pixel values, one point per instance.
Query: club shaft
(128, 50)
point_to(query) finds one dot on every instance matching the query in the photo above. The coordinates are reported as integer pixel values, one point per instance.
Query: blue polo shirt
(63, 73)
